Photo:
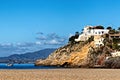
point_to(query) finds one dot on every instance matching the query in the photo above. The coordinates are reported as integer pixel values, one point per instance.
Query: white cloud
(18, 48)
(51, 39)
(53, 36)
(38, 43)
(42, 37)
(53, 42)
(6, 44)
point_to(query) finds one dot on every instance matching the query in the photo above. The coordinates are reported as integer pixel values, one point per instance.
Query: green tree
(100, 27)
(109, 28)
(72, 39)
(119, 29)
(112, 31)
(115, 46)
(76, 35)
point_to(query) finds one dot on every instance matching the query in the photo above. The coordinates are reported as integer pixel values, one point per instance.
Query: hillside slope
(27, 57)
(70, 55)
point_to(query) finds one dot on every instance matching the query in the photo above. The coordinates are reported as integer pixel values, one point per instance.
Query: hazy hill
(28, 57)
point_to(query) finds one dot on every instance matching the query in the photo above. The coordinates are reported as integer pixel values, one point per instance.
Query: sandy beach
(61, 74)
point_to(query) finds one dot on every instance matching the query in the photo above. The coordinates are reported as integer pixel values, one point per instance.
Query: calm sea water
(24, 66)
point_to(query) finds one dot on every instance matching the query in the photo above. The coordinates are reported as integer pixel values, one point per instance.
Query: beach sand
(61, 74)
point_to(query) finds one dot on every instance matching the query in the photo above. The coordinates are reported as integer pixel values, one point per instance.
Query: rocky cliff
(70, 55)
(85, 54)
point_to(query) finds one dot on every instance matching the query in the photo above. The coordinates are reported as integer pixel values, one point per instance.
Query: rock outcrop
(70, 55)
(85, 54)
(82, 54)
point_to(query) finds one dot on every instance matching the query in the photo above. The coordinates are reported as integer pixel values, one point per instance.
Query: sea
(25, 66)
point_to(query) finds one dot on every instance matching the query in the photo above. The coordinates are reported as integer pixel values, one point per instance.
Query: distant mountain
(27, 57)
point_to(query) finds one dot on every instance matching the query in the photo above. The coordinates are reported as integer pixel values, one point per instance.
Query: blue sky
(30, 25)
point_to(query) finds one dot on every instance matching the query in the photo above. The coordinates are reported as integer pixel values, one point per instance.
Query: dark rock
(113, 62)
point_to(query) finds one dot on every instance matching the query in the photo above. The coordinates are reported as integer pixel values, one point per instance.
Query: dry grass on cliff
(61, 74)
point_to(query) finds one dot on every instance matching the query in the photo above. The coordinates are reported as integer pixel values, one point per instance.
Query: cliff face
(85, 54)
(70, 55)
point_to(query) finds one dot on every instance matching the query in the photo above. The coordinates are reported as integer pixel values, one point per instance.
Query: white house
(92, 31)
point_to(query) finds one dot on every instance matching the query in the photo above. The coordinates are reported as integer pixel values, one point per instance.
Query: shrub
(99, 27)
(72, 39)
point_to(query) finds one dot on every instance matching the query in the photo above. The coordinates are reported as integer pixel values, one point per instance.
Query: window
(102, 32)
(112, 36)
(116, 36)
(99, 32)
(89, 31)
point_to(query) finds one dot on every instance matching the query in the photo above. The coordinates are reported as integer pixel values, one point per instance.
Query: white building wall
(87, 32)
(93, 32)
